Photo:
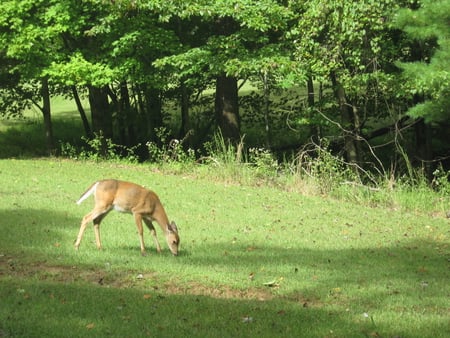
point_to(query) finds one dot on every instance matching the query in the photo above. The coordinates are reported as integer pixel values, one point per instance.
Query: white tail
(88, 193)
(123, 196)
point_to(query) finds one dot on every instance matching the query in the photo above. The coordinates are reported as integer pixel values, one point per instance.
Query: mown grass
(254, 261)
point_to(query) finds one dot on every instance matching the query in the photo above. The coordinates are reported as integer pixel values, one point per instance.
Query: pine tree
(430, 77)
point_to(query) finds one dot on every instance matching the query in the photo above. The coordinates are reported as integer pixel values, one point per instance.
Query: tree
(131, 56)
(346, 44)
(28, 38)
(110, 49)
(430, 76)
(82, 61)
(230, 42)
(427, 76)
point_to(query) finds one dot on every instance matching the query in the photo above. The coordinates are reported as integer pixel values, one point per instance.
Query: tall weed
(226, 159)
(328, 172)
(222, 152)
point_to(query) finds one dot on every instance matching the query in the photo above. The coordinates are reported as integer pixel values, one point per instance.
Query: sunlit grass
(254, 261)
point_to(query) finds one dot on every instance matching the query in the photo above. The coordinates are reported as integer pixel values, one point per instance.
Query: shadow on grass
(413, 259)
(409, 268)
(323, 293)
(26, 138)
(55, 310)
(34, 230)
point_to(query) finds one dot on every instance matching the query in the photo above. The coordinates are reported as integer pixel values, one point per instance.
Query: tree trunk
(100, 111)
(84, 119)
(310, 88)
(185, 119)
(226, 107)
(267, 109)
(347, 121)
(315, 128)
(126, 117)
(141, 112)
(46, 112)
(153, 104)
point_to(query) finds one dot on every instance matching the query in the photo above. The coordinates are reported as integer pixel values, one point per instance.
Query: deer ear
(173, 227)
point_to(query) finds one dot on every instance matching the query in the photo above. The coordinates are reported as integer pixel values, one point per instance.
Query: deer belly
(121, 209)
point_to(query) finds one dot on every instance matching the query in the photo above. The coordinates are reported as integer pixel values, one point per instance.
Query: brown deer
(128, 197)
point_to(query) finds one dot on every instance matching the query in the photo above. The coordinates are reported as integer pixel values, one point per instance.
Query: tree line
(375, 72)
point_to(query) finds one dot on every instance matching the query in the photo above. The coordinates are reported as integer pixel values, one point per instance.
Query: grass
(26, 137)
(254, 261)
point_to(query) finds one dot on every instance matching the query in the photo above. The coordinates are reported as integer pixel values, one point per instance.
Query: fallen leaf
(272, 283)
(422, 269)
(424, 284)
(247, 319)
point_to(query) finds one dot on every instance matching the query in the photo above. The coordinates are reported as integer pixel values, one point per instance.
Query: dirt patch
(18, 269)
(221, 291)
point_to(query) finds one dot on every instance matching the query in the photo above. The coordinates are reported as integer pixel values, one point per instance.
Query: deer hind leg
(86, 219)
(96, 216)
(150, 226)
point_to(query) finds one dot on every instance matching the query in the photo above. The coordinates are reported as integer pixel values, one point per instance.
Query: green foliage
(441, 181)
(256, 15)
(99, 148)
(161, 50)
(265, 166)
(31, 30)
(168, 151)
(353, 43)
(12, 103)
(79, 71)
(429, 77)
(328, 172)
(234, 39)
(186, 66)
(339, 36)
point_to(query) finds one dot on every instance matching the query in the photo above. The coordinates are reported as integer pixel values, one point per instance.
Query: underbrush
(313, 171)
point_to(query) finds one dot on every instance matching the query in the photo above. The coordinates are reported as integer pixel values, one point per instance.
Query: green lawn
(254, 262)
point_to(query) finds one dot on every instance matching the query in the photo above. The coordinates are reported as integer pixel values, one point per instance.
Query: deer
(131, 198)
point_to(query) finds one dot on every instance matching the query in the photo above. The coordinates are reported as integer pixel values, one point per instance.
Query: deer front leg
(150, 227)
(97, 235)
(138, 220)
(97, 222)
